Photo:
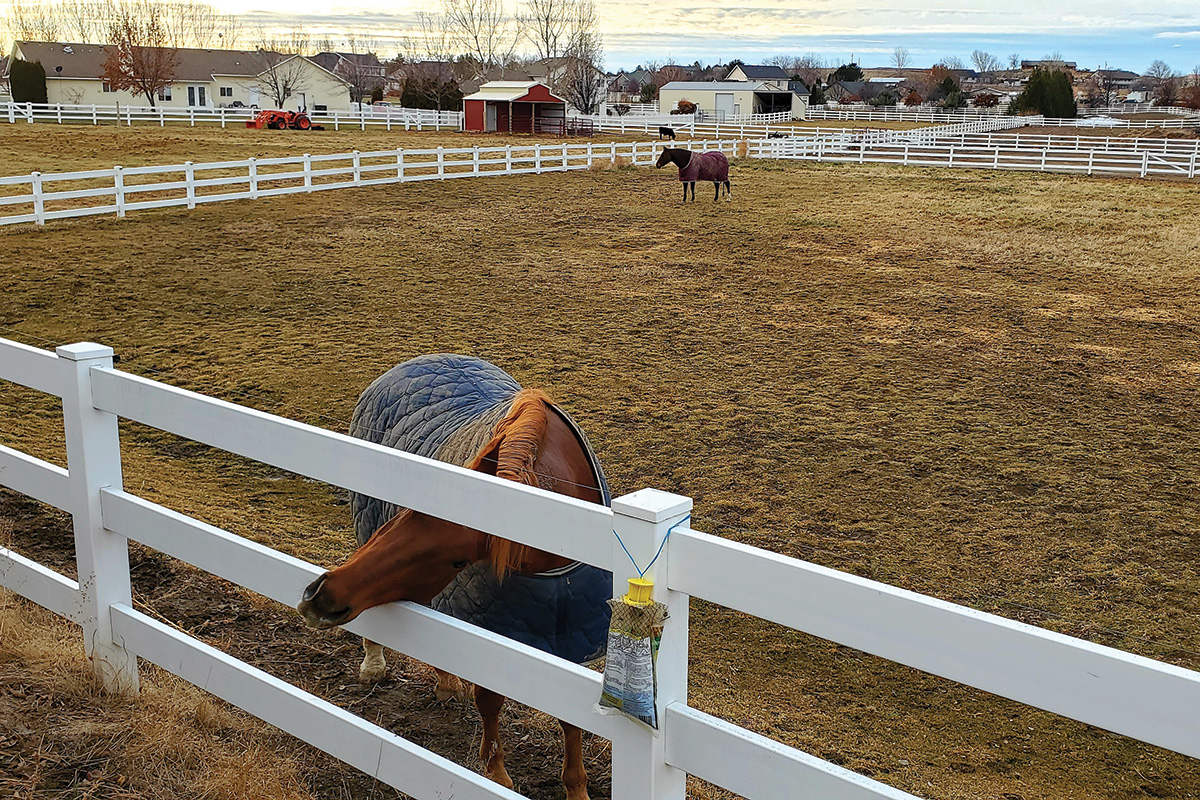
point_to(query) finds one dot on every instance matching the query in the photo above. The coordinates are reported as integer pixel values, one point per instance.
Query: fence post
(308, 173)
(1145, 163)
(189, 172)
(58, 111)
(508, 165)
(29, 112)
(192, 116)
(566, 165)
(537, 159)
(357, 168)
(253, 163)
(119, 190)
(441, 163)
(589, 156)
(475, 159)
(162, 120)
(643, 520)
(94, 463)
(95, 121)
(1192, 166)
(399, 165)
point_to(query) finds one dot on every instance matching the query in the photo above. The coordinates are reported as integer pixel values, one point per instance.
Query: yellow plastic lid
(641, 592)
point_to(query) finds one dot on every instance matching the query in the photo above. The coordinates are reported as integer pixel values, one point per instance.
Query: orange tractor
(281, 120)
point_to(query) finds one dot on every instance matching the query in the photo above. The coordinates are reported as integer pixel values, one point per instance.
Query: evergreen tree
(28, 82)
(847, 72)
(1048, 93)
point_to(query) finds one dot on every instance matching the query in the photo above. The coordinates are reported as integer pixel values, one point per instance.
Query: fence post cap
(652, 505)
(83, 351)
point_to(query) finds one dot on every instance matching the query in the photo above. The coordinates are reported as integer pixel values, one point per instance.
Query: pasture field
(975, 385)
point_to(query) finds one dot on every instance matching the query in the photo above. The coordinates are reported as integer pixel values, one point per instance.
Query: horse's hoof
(500, 776)
(373, 674)
(451, 689)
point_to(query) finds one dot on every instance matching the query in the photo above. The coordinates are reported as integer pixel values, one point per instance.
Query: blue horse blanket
(445, 407)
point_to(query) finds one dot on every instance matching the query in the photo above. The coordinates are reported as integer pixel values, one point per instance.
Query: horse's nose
(311, 590)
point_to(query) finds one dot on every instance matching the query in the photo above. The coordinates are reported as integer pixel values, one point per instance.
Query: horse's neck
(683, 158)
(562, 467)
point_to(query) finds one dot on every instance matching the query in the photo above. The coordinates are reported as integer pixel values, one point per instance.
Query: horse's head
(414, 556)
(664, 158)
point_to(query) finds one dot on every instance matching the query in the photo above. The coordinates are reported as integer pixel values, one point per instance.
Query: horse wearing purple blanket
(712, 166)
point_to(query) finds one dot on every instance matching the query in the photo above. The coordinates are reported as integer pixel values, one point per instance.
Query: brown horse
(414, 556)
(711, 166)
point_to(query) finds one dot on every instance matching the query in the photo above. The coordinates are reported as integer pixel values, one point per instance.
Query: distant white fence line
(1135, 696)
(387, 117)
(851, 113)
(988, 153)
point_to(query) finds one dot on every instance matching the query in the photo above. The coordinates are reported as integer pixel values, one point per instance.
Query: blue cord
(642, 572)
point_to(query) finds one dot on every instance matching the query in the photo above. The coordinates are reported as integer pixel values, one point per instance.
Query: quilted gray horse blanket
(713, 166)
(445, 407)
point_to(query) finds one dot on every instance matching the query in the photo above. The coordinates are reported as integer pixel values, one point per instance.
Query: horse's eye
(460, 564)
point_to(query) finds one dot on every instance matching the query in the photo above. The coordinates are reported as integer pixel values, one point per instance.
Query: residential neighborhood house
(728, 99)
(202, 79)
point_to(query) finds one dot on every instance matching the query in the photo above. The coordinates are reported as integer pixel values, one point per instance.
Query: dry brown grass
(62, 737)
(975, 385)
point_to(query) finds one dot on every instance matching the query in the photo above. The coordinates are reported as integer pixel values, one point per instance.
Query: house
(5, 93)
(626, 87)
(1049, 63)
(515, 107)
(203, 78)
(363, 71)
(1120, 80)
(757, 72)
(734, 98)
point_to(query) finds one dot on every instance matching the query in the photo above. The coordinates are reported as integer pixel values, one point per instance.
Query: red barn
(514, 107)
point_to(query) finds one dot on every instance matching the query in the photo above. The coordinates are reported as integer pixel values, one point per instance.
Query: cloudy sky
(1124, 33)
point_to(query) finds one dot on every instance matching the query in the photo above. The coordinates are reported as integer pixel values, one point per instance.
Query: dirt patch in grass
(975, 385)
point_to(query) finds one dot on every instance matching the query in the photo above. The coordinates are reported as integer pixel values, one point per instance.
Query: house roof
(69, 60)
(759, 72)
(506, 91)
(726, 86)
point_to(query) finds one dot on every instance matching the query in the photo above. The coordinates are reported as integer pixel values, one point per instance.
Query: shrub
(849, 99)
(27, 82)
(1189, 97)
(987, 100)
(913, 99)
(684, 107)
(621, 108)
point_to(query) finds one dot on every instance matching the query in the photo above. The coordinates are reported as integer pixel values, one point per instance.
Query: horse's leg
(574, 774)
(685, 193)
(374, 666)
(491, 752)
(728, 194)
(448, 686)
(717, 186)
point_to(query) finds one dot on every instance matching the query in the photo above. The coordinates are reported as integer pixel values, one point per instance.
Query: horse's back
(714, 166)
(433, 406)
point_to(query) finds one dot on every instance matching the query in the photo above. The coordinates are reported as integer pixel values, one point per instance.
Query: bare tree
(952, 62)
(429, 73)
(33, 21)
(901, 58)
(985, 64)
(584, 83)
(811, 68)
(484, 30)
(360, 67)
(86, 21)
(192, 23)
(139, 56)
(546, 24)
(283, 71)
(1014, 60)
(1104, 86)
(1159, 71)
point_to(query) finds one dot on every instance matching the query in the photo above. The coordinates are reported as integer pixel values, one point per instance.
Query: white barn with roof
(728, 99)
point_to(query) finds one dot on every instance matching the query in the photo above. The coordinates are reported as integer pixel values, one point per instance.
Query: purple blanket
(705, 167)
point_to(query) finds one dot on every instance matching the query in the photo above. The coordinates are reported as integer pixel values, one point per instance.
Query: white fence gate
(1149, 700)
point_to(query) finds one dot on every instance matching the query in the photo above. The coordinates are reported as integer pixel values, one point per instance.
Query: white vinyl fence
(975, 154)
(1128, 694)
(386, 117)
(120, 190)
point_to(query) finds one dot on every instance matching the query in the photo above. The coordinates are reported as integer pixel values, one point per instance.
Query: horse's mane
(511, 454)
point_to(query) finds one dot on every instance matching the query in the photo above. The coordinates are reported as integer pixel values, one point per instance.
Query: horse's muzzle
(318, 608)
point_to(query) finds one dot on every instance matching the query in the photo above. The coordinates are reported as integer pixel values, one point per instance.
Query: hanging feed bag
(630, 671)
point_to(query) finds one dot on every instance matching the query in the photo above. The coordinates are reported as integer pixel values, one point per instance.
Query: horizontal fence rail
(386, 117)
(1139, 697)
